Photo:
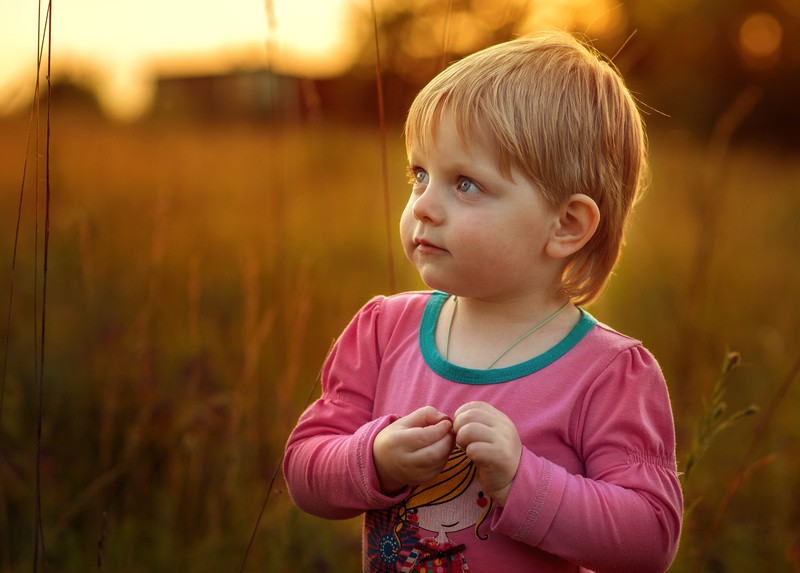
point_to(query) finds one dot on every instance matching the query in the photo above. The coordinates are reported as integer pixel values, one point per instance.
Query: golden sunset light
(207, 223)
(120, 45)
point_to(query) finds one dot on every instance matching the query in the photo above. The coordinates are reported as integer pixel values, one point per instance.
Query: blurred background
(225, 181)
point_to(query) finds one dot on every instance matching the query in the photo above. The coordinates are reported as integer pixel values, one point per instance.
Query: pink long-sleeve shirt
(596, 489)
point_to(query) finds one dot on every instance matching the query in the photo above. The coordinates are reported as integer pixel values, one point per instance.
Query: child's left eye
(467, 186)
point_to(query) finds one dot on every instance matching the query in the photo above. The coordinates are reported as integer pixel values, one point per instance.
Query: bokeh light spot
(760, 37)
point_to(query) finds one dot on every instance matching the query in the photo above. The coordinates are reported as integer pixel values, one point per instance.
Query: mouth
(425, 246)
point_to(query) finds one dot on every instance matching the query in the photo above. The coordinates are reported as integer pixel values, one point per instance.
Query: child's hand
(492, 442)
(413, 449)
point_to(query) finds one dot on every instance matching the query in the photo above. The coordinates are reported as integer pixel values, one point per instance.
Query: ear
(577, 222)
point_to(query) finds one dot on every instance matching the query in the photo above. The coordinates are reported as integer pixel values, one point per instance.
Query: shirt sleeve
(625, 513)
(328, 463)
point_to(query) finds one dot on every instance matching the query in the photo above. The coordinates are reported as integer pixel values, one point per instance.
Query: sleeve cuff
(362, 466)
(533, 500)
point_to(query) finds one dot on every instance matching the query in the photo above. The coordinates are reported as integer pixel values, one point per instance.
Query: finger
(476, 405)
(428, 462)
(483, 414)
(482, 453)
(474, 432)
(422, 437)
(437, 452)
(437, 431)
(422, 417)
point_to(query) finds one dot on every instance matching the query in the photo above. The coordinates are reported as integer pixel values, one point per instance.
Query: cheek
(407, 224)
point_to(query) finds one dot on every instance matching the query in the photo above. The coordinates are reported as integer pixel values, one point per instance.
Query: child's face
(468, 229)
(460, 513)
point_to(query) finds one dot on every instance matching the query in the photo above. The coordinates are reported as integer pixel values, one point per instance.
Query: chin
(448, 288)
(434, 284)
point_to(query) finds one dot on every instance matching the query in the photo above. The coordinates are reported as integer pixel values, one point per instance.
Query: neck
(483, 334)
(510, 311)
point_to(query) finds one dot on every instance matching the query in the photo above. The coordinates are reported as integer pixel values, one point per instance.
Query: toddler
(491, 423)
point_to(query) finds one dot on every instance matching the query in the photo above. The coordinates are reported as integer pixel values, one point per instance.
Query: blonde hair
(560, 114)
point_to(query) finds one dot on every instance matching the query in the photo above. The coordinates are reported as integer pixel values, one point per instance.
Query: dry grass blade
(446, 34)
(14, 263)
(384, 156)
(46, 32)
(33, 113)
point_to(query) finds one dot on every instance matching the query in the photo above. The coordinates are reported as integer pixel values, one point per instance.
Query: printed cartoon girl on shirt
(451, 502)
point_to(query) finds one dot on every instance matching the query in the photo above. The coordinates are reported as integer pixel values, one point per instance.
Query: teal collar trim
(445, 369)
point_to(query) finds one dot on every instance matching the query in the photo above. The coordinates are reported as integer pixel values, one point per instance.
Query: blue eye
(467, 186)
(418, 176)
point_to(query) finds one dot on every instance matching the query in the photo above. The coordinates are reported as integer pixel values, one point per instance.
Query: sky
(119, 44)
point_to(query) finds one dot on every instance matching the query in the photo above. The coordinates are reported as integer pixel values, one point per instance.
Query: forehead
(446, 123)
(445, 145)
(453, 131)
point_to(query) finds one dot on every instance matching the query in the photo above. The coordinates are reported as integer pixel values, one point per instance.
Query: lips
(426, 246)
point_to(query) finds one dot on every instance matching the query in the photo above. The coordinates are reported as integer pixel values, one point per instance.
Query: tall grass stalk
(387, 213)
(446, 34)
(714, 422)
(746, 464)
(43, 33)
(14, 250)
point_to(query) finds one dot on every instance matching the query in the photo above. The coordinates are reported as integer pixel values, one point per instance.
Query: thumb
(427, 426)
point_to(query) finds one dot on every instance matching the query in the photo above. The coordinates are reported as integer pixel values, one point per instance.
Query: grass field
(199, 273)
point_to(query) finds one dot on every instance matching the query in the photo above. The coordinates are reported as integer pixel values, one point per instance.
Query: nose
(427, 206)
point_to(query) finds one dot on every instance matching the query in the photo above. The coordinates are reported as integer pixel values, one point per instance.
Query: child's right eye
(418, 176)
